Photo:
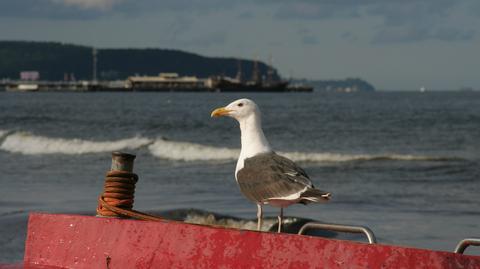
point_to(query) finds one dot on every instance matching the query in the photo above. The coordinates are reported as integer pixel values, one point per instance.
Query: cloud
(309, 40)
(401, 20)
(306, 36)
(397, 20)
(88, 4)
(414, 34)
(349, 36)
(53, 9)
(245, 15)
(91, 9)
(204, 41)
(474, 9)
(178, 26)
(316, 10)
(419, 21)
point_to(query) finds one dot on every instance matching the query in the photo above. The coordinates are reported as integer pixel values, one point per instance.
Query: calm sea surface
(407, 165)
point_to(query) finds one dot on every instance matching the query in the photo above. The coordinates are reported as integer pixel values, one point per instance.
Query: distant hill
(53, 60)
(339, 85)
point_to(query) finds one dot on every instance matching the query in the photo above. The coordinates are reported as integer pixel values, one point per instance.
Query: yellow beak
(221, 111)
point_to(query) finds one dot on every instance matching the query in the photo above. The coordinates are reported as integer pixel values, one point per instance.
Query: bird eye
(241, 104)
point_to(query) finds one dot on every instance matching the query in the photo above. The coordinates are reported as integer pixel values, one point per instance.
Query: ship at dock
(174, 82)
(226, 84)
(256, 83)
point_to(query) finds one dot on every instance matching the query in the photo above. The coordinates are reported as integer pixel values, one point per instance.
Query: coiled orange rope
(118, 197)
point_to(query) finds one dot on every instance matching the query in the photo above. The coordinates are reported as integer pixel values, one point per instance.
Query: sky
(393, 44)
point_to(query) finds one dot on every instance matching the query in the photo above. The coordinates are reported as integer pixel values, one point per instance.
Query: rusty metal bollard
(122, 161)
(119, 189)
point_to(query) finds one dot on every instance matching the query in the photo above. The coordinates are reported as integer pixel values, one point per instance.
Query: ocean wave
(30, 144)
(211, 219)
(3, 133)
(186, 151)
(26, 143)
(199, 216)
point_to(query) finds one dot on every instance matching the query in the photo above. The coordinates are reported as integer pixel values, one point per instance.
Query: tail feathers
(315, 196)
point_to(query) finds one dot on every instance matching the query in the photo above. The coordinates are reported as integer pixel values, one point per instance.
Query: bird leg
(259, 217)
(280, 217)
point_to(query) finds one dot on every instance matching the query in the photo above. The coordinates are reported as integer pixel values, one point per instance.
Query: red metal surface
(88, 242)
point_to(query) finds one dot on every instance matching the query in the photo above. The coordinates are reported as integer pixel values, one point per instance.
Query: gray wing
(269, 175)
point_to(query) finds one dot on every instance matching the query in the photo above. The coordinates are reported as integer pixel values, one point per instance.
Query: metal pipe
(463, 244)
(122, 161)
(340, 228)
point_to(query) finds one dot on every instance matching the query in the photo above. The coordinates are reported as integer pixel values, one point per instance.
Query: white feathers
(253, 140)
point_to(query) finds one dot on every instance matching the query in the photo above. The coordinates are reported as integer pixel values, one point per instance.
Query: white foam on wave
(3, 133)
(26, 143)
(186, 151)
(210, 219)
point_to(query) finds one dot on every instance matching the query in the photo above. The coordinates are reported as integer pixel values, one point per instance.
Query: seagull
(264, 177)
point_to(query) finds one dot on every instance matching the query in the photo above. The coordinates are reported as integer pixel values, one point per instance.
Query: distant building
(29, 75)
(168, 81)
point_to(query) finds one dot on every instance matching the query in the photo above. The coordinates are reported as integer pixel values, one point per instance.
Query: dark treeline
(53, 60)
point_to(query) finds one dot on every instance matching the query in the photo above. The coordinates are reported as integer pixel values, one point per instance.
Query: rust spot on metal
(108, 259)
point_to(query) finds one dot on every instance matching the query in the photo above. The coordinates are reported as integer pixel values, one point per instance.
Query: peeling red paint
(84, 242)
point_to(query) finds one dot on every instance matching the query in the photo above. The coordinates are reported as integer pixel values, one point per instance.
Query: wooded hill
(53, 60)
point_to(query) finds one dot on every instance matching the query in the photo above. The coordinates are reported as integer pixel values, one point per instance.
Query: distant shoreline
(59, 62)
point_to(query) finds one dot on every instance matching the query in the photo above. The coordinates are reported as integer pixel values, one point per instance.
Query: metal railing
(463, 244)
(340, 228)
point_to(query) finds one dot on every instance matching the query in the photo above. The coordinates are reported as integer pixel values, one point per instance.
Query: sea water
(404, 164)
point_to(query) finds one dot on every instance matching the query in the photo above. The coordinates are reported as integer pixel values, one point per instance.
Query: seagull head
(238, 109)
